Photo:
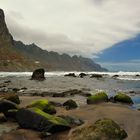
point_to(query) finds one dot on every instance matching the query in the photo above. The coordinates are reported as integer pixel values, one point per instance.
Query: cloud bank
(82, 27)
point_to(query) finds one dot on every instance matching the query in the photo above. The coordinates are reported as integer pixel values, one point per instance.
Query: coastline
(58, 89)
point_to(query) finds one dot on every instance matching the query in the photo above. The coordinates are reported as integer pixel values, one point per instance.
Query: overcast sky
(83, 27)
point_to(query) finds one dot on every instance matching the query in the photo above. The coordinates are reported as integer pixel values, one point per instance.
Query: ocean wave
(122, 75)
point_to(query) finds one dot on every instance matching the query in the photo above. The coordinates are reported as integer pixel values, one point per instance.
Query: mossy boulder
(105, 129)
(43, 105)
(6, 105)
(11, 97)
(123, 98)
(36, 119)
(97, 98)
(70, 104)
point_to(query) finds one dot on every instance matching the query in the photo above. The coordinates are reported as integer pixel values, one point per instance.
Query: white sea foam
(122, 75)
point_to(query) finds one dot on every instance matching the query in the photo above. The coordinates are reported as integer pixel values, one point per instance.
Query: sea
(128, 82)
(132, 76)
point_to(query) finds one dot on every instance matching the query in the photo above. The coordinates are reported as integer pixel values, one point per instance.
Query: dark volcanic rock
(115, 76)
(70, 75)
(38, 74)
(70, 104)
(82, 75)
(11, 114)
(96, 76)
(3, 119)
(41, 121)
(6, 105)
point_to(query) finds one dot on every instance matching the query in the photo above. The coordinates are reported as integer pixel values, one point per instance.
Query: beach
(58, 88)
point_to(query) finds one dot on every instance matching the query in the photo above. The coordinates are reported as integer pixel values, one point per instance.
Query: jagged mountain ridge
(10, 58)
(16, 56)
(55, 61)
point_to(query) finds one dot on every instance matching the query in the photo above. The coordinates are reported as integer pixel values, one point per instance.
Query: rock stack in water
(38, 74)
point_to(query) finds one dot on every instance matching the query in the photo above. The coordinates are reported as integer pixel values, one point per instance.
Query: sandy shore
(127, 118)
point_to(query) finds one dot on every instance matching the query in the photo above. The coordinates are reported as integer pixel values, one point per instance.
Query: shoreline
(89, 113)
(59, 89)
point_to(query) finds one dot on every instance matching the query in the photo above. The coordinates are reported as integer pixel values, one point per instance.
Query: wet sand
(127, 118)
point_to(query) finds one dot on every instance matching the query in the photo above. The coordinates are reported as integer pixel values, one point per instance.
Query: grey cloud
(84, 27)
(56, 42)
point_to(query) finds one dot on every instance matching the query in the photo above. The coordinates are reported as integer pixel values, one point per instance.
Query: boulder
(7, 82)
(105, 129)
(43, 105)
(123, 98)
(11, 114)
(36, 119)
(11, 97)
(115, 76)
(70, 104)
(3, 119)
(6, 105)
(38, 74)
(73, 121)
(97, 98)
(82, 75)
(96, 76)
(70, 75)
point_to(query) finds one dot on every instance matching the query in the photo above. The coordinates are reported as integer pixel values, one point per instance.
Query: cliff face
(54, 61)
(16, 56)
(10, 58)
(5, 37)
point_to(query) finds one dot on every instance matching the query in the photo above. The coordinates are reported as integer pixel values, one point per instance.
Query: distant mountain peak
(5, 36)
(54, 61)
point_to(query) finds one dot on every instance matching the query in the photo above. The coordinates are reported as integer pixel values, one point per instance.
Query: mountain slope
(54, 61)
(10, 58)
(122, 52)
(16, 56)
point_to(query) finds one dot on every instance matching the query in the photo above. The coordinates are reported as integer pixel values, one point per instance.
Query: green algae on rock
(36, 119)
(97, 98)
(105, 129)
(43, 105)
(123, 98)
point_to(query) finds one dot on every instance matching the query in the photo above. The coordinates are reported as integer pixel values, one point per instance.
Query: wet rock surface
(104, 129)
(70, 104)
(38, 74)
(38, 120)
